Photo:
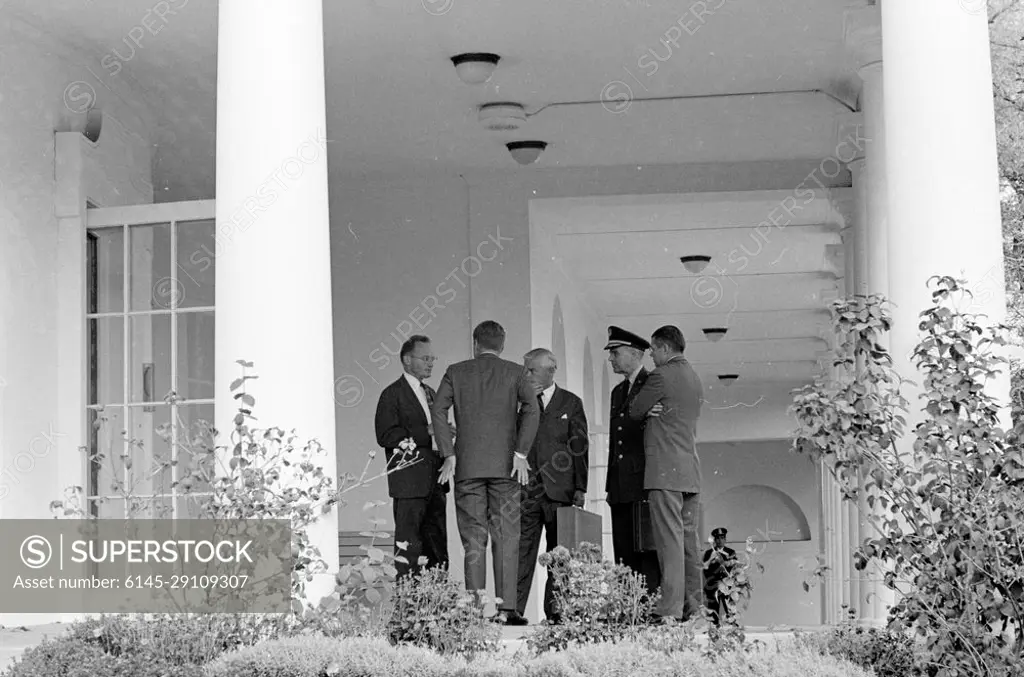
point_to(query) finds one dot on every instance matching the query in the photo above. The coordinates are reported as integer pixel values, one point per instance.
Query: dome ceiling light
(475, 68)
(695, 264)
(728, 379)
(715, 334)
(526, 152)
(502, 116)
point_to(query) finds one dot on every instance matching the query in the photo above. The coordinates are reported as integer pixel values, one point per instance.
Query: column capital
(862, 35)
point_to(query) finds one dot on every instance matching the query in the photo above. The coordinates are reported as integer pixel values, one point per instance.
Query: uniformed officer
(718, 560)
(626, 462)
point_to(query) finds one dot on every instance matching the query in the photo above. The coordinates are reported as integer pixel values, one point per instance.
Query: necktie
(540, 402)
(430, 395)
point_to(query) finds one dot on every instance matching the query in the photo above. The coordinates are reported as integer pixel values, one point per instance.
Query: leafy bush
(596, 599)
(431, 610)
(886, 652)
(322, 657)
(73, 657)
(950, 511)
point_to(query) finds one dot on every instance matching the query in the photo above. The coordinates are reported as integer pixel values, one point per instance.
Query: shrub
(596, 599)
(432, 610)
(69, 656)
(886, 652)
(950, 510)
(323, 657)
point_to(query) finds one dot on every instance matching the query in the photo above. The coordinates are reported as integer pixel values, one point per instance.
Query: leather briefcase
(643, 532)
(576, 526)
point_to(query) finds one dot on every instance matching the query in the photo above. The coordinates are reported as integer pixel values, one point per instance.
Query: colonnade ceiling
(395, 104)
(776, 263)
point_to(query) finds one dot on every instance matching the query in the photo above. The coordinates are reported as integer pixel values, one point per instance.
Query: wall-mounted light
(502, 116)
(475, 68)
(714, 334)
(695, 264)
(526, 152)
(727, 379)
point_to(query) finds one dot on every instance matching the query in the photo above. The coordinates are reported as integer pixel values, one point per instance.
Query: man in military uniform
(626, 460)
(718, 560)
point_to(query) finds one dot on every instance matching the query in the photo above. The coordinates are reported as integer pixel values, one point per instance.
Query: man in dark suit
(671, 400)
(626, 462)
(418, 500)
(718, 562)
(489, 458)
(558, 475)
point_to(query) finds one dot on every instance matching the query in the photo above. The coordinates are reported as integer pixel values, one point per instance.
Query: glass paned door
(150, 327)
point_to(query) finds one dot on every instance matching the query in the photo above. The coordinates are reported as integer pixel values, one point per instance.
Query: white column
(944, 217)
(273, 276)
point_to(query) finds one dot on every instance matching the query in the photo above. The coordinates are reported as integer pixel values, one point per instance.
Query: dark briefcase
(643, 532)
(576, 526)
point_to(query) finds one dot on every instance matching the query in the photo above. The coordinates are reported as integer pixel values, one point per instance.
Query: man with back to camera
(626, 459)
(671, 400)
(419, 502)
(489, 459)
(558, 475)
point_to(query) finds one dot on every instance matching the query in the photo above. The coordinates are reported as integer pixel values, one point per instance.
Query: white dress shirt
(546, 394)
(421, 395)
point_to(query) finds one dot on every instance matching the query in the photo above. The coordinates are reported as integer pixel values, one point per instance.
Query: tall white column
(273, 275)
(944, 217)
(864, 41)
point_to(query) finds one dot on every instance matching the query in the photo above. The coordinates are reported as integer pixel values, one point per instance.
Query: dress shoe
(516, 618)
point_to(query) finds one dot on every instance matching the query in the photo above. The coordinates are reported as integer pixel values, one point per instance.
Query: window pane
(107, 508)
(106, 462)
(192, 507)
(196, 457)
(106, 270)
(105, 346)
(149, 261)
(196, 263)
(195, 355)
(150, 471)
(149, 360)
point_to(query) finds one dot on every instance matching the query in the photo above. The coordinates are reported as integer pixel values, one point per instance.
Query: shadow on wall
(558, 342)
(588, 383)
(760, 512)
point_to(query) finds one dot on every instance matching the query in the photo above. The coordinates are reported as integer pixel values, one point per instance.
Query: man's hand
(447, 470)
(656, 410)
(579, 499)
(521, 470)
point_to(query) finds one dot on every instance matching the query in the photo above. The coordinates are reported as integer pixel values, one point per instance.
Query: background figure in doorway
(418, 499)
(718, 562)
(489, 458)
(626, 460)
(558, 474)
(671, 400)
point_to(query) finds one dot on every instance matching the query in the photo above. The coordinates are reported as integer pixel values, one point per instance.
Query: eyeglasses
(429, 359)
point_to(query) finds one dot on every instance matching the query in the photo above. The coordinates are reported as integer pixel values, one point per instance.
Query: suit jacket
(670, 440)
(486, 392)
(400, 415)
(558, 458)
(626, 460)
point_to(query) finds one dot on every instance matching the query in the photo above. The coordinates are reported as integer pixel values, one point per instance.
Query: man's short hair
(490, 335)
(411, 343)
(538, 353)
(671, 337)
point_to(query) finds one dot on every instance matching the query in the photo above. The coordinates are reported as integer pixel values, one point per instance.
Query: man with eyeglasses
(418, 499)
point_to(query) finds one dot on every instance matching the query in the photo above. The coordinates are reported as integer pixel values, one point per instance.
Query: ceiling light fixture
(727, 379)
(715, 334)
(695, 264)
(526, 152)
(502, 116)
(475, 68)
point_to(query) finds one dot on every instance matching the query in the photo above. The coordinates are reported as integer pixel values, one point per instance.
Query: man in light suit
(558, 474)
(489, 458)
(671, 400)
(418, 500)
(626, 457)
